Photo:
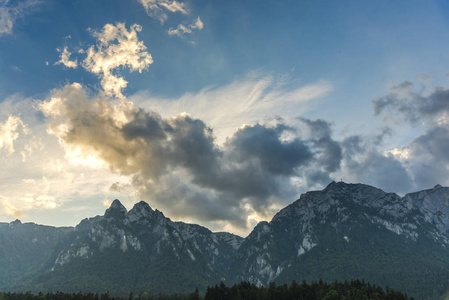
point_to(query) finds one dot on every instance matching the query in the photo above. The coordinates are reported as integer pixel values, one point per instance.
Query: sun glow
(77, 156)
(399, 153)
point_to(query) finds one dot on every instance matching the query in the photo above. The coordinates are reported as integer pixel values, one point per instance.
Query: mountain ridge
(344, 231)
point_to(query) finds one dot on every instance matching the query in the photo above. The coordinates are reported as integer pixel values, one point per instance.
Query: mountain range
(345, 231)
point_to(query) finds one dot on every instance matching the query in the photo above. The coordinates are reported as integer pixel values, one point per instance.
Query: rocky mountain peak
(434, 202)
(17, 222)
(336, 188)
(344, 231)
(140, 210)
(116, 210)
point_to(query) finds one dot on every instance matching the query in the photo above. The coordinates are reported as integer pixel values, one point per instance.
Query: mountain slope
(27, 250)
(140, 250)
(350, 231)
(345, 231)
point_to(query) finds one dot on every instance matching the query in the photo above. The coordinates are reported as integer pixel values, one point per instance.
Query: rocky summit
(345, 231)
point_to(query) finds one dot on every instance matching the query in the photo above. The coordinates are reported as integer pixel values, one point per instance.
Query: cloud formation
(425, 157)
(39, 177)
(9, 13)
(365, 161)
(64, 58)
(11, 210)
(250, 100)
(413, 105)
(158, 8)
(6, 20)
(116, 47)
(10, 131)
(183, 29)
(176, 163)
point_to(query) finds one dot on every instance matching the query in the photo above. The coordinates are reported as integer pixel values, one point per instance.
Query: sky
(218, 113)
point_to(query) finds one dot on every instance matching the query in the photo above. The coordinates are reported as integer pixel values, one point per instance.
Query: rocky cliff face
(353, 231)
(342, 232)
(141, 249)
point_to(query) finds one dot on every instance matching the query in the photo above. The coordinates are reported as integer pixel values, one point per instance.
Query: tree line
(316, 290)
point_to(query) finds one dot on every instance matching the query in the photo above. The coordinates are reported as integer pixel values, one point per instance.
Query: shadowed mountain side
(342, 232)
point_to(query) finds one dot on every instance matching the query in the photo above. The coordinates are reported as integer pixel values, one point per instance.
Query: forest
(316, 290)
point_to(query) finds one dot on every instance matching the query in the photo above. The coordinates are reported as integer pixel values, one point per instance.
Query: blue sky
(216, 112)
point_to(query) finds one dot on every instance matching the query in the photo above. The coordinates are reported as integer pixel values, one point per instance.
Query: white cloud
(29, 148)
(158, 8)
(9, 132)
(175, 163)
(182, 29)
(6, 20)
(10, 13)
(11, 210)
(116, 47)
(64, 59)
(244, 101)
(38, 179)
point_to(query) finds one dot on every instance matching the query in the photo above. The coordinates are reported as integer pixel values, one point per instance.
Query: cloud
(38, 179)
(176, 164)
(176, 161)
(6, 21)
(261, 145)
(9, 13)
(183, 29)
(64, 58)
(9, 132)
(11, 210)
(330, 150)
(364, 161)
(246, 100)
(404, 102)
(158, 8)
(116, 48)
(424, 157)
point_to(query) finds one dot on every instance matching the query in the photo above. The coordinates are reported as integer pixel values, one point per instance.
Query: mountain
(27, 250)
(354, 231)
(345, 231)
(140, 250)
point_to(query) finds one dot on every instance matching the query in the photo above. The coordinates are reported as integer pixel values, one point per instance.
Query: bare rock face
(116, 210)
(351, 231)
(344, 231)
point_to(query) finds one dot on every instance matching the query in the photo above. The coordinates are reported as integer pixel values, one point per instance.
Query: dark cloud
(175, 162)
(177, 166)
(145, 125)
(329, 151)
(434, 143)
(318, 178)
(352, 145)
(364, 161)
(372, 167)
(263, 145)
(404, 102)
(428, 157)
(192, 147)
(425, 157)
(183, 200)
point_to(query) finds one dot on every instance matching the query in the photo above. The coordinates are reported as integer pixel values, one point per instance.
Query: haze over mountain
(345, 231)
